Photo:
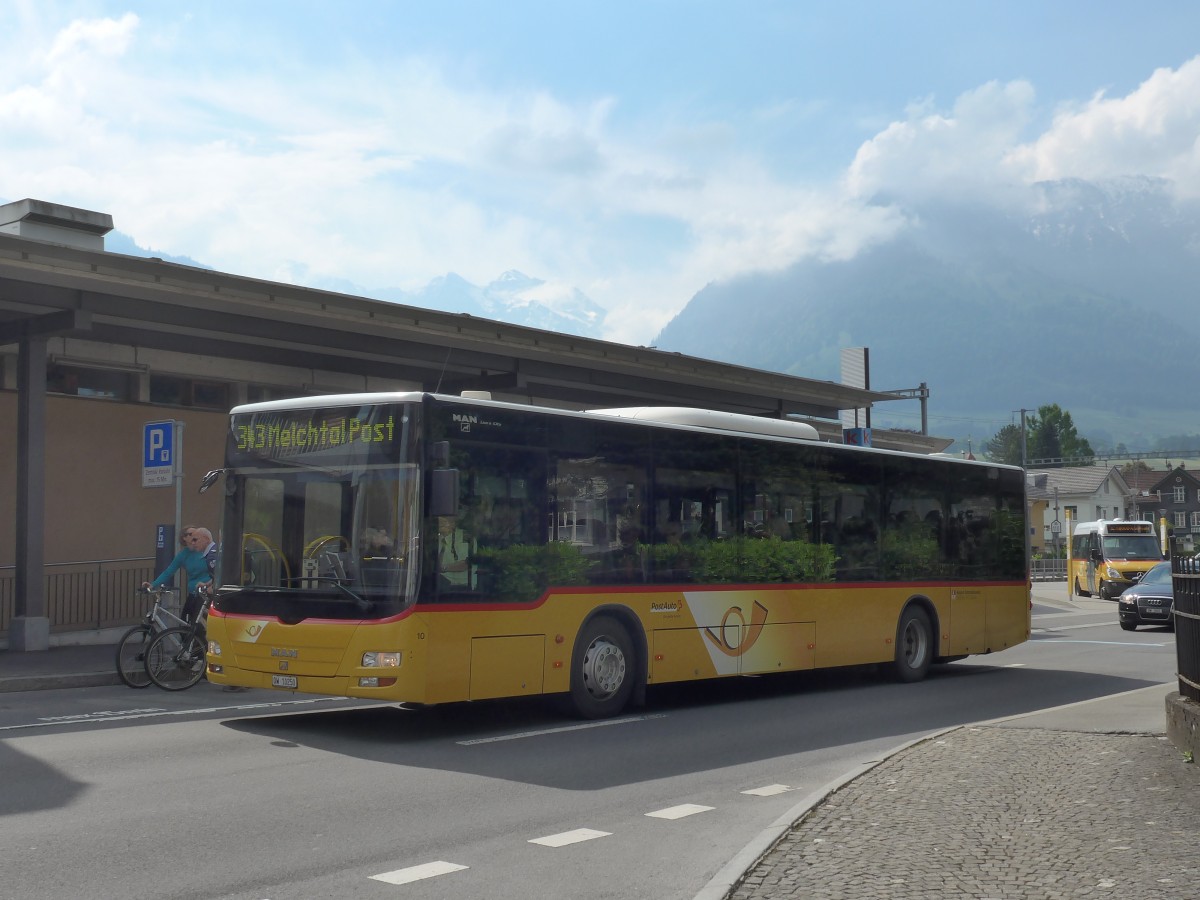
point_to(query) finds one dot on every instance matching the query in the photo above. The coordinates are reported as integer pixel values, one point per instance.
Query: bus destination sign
(1130, 528)
(292, 433)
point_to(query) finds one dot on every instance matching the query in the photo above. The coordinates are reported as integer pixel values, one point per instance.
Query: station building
(94, 346)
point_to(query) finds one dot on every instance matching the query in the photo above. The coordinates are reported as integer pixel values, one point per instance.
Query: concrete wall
(96, 507)
(1183, 725)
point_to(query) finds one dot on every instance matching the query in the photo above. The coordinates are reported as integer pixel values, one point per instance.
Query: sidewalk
(80, 665)
(992, 811)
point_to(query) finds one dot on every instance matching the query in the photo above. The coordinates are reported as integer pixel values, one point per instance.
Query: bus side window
(475, 551)
(851, 499)
(597, 501)
(695, 490)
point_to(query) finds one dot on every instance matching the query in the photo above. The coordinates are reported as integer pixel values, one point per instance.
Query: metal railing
(1048, 569)
(1185, 582)
(96, 593)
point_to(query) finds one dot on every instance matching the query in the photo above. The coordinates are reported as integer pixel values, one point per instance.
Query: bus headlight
(214, 647)
(1114, 574)
(379, 659)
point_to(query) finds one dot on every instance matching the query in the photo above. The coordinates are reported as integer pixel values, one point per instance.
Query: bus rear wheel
(602, 669)
(914, 645)
(1079, 591)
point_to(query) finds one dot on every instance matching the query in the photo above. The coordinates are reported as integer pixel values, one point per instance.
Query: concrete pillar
(30, 628)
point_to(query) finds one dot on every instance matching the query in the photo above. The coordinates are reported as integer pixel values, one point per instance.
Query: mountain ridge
(1081, 296)
(512, 297)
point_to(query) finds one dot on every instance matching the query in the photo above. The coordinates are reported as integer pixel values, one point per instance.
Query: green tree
(1050, 434)
(1005, 446)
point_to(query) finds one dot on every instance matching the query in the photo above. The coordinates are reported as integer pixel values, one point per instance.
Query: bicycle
(175, 657)
(131, 650)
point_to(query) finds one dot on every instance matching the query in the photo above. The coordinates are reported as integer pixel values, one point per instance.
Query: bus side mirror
(1096, 556)
(444, 498)
(210, 478)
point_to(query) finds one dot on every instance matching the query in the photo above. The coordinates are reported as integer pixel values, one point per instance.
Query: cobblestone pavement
(999, 812)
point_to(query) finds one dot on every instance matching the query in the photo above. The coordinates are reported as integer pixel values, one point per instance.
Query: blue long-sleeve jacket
(193, 562)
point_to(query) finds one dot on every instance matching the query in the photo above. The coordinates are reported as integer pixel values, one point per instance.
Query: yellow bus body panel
(507, 666)
(471, 653)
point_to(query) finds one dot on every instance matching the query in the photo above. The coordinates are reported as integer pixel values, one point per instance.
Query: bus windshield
(1132, 546)
(321, 515)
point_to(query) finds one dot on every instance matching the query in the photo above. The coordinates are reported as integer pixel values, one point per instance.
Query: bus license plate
(283, 681)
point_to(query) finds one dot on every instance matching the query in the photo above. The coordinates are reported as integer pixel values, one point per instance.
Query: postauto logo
(744, 637)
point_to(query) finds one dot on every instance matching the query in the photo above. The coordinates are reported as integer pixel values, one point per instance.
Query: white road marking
(1105, 643)
(129, 715)
(570, 837)
(1015, 666)
(417, 873)
(769, 791)
(679, 812)
(1053, 628)
(103, 713)
(521, 735)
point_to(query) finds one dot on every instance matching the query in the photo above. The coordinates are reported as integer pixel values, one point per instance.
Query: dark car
(1149, 602)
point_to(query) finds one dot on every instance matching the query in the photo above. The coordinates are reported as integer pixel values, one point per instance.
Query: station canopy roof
(53, 289)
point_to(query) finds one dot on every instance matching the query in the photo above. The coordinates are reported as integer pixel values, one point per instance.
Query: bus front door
(1095, 559)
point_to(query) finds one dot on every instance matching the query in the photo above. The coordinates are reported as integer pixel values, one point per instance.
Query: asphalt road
(109, 792)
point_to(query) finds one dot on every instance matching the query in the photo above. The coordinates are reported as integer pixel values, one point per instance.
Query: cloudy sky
(633, 150)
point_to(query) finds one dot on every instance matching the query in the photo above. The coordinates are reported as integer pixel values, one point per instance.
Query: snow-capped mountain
(1082, 294)
(515, 298)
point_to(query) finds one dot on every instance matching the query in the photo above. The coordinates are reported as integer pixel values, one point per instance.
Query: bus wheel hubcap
(914, 645)
(603, 668)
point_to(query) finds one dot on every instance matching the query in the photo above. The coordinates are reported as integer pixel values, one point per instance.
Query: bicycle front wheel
(175, 658)
(131, 656)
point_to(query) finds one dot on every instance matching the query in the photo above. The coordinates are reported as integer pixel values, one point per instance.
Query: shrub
(520, 573)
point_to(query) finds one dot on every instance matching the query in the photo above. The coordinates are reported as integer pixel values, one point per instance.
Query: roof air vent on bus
(711, 418)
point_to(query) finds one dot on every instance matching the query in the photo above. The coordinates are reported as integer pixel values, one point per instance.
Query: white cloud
(389, 172)
(1155, 131)
(84, 38)
(978, 149)
(932, 153)
(388, 176)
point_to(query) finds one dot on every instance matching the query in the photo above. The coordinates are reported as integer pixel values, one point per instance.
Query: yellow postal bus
(1109, 555)
(432, 549)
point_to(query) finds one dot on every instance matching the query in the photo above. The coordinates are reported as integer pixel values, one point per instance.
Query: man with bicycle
(198, 559)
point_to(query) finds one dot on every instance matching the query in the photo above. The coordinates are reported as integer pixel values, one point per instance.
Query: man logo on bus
(745, 636)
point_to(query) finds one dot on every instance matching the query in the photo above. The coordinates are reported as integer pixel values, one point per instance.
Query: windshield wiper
(359, 600)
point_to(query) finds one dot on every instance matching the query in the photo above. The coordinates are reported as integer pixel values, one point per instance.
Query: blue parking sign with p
(158, 454)
(157, 444)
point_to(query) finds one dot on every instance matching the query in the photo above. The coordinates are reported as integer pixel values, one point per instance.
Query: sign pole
(1070, 561)
(178, 425)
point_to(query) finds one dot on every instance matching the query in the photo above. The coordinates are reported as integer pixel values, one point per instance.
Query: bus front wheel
(602, 669)
(914, 645)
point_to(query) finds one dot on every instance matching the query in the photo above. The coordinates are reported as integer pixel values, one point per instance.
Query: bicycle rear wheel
(175, 658)
(131, 656)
